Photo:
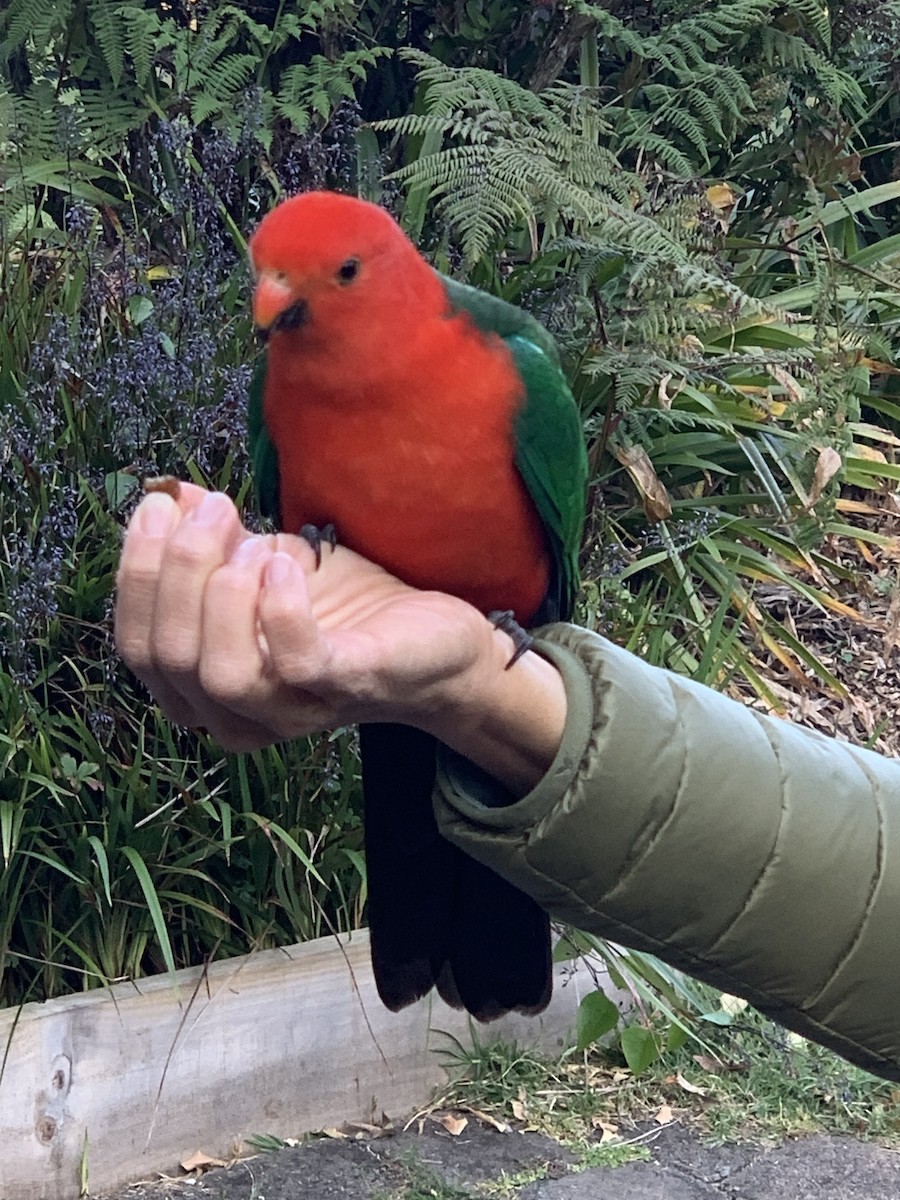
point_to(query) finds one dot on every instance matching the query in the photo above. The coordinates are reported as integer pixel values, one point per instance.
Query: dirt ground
(481, 1162)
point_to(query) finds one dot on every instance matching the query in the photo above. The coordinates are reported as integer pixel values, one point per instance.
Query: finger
(190, 496)
(136, 591)
(232, 662)
(302, 553)
(192, 552)
(254, 705)
(137, 580)
(299, 654)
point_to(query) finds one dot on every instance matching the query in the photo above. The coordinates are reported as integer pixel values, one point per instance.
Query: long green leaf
(154, 908)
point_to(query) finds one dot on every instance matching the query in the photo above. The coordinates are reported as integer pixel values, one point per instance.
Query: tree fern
(520, 154)
(37, 20)
(804, 63)
(145, 36)
(107, 23)
(313, 89)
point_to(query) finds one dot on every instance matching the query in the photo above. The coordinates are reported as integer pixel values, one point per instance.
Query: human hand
(244, 636)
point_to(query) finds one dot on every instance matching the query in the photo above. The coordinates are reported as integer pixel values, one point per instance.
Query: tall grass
(129, 846)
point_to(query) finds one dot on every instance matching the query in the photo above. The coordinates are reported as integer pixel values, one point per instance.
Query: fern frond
(659, 149)
(40, 20)
(813, 16)
(108, 28)
(785, 52)
(145, 36)
(317, 87)
(222, 83)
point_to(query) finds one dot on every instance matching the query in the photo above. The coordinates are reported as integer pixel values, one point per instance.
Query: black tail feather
(437, 918)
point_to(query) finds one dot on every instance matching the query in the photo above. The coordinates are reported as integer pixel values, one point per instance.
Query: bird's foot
(504, 619)
(314, 537)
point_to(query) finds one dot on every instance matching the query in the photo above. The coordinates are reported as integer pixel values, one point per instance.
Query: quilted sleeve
(756, 855)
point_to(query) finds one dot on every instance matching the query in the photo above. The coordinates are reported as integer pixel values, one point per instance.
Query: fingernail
(156, 515)
(279, 569)
(212, 508)
(249, 549)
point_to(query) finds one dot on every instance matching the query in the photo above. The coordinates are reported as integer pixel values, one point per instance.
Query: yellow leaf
(868, 452)
(722, 200)
(720, 195)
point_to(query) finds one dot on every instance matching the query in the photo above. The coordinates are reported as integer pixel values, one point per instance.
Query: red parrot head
(326, 262)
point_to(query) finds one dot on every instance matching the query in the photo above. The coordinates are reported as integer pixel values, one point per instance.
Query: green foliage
(129, 847)
(698, 352)
(91, 77)
(751, 1080)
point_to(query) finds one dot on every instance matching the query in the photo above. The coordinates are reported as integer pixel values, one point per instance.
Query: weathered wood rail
(119, 1084)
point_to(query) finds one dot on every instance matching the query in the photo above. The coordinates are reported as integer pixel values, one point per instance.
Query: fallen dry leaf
(687, 1086)
(665, 1115)
(828, 464)
(518, 1110)
(654, 496)
(609, 1132)
(200, 1162)
(364, 1129)
(662, 392)
(453, 1125)
(891, 639)
(707, 1063)
(722, 200)
(334, 1133)
(788, 382)
(732, 1004)
(488, 1118)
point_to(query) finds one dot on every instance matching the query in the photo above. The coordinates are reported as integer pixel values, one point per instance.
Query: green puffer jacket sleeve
(753, 854)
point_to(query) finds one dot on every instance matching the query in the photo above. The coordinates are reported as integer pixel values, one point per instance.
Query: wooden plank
(281, 1042)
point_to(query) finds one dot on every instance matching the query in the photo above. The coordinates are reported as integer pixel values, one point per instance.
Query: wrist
(507, 719)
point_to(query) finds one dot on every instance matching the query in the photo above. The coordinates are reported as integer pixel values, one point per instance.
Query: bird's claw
(314, 537)
(505, 620)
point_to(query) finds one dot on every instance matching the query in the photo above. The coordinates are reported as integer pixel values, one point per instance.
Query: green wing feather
(263, 455)
(550, 450)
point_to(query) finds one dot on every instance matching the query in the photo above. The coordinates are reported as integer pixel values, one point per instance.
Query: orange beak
(271, 298)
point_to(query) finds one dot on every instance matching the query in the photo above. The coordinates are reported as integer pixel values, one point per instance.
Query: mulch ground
(857, 640)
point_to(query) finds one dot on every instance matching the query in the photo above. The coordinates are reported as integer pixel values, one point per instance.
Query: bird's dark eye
(348, 271)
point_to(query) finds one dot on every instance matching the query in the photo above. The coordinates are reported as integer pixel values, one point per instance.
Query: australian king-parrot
(430, 424)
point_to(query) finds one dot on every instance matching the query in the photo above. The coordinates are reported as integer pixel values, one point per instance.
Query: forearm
(754, 854)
